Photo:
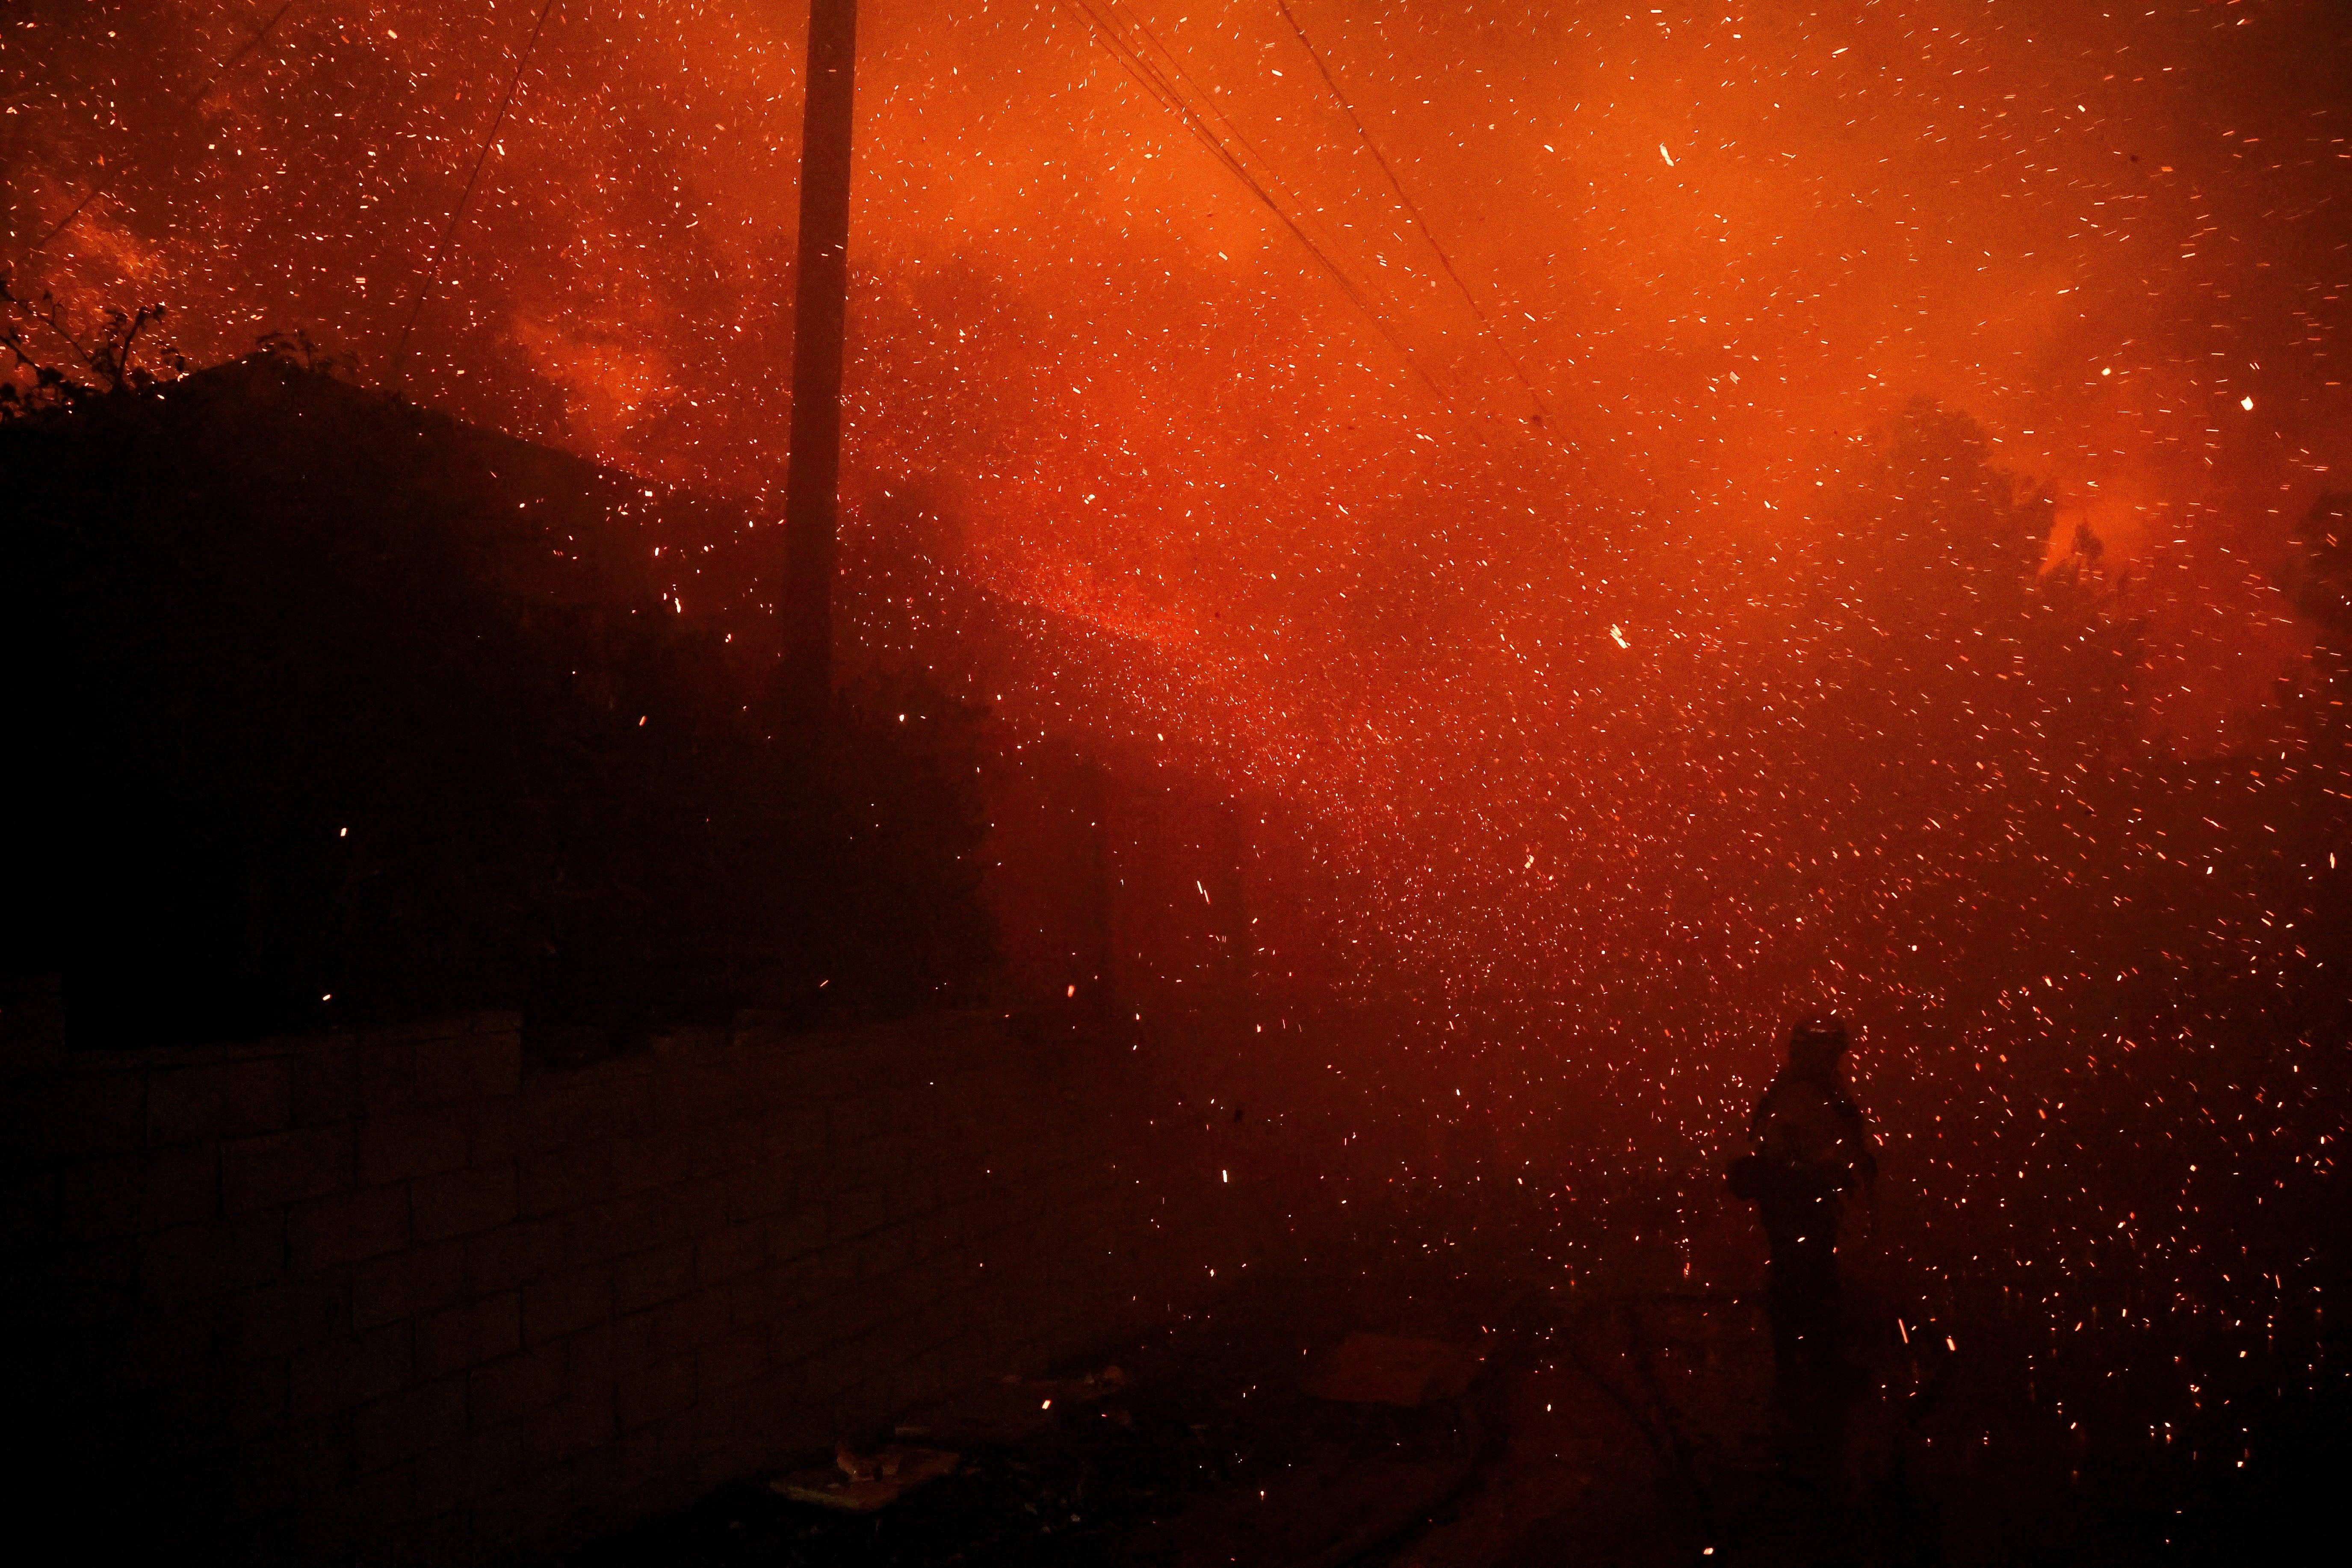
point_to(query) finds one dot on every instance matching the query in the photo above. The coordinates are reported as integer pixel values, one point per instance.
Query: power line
(1324, 70)
(1154, 80)
(433, 273)
(97, 187)
(1221, 146)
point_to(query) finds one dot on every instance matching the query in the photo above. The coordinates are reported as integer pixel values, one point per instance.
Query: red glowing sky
(1716, 239)
(1720, 242)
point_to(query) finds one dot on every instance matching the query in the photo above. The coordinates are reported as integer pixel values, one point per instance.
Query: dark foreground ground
(1619, 1415)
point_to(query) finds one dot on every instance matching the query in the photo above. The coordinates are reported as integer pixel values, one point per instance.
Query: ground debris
(860, 1483)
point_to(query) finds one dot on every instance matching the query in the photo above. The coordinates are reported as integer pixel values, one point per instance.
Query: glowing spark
(1620, 637)
(1669, 157)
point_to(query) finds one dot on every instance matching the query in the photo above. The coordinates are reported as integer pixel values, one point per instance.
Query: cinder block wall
(393, 1297)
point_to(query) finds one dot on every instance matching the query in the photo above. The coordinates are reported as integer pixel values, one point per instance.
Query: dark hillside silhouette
(335, 710)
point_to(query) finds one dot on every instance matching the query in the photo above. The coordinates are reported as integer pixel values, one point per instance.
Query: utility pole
(820, 310)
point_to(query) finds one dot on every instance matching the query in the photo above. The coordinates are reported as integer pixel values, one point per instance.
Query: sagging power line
(1412, 208)
(1132, 45)
(481, 155)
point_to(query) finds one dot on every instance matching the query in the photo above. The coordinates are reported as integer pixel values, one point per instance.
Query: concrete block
(387, 1068)
(694, 1097)
(408, 1284)
(656, 1275)
(831, 1372)
(566, 1303)
(732, 1359)
(277, 1168)
(849, 1123)
(209, 1260)
(798, 1233)
(799, 1134)
(564, 1180)
(280, 1319)
(594, 1107)
(344, 1227)
(882, 1252)
(511, 1256)
(466, 1336)
(937, 1321)
(338, 1377)
(468, 1066)
(494, 1130)
(732, 1146)
(645, 1397)
(765, 1410)
(943, 1232)
(759, 1189)
(398, 1428)
(761, 1297)
(220, 1100)
(501, 1390)
(857, 1210)
(459, 1202)
(615, 1226)
(692, 1322)
(325, 1084)
(695, 1206)
(807, 1330)
(127, 1194)
(729, 1251)
(825, 1276)
(656, 1160)
(418, 1143)
(580, 1424)
(877, 1162)
(601, 1356)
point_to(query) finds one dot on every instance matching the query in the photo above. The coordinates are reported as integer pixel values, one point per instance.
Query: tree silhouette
(55, 366)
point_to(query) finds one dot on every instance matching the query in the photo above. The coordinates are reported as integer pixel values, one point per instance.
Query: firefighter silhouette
(1812, 1147)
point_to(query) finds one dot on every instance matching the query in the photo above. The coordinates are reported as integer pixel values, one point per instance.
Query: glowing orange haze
(1721, 243)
